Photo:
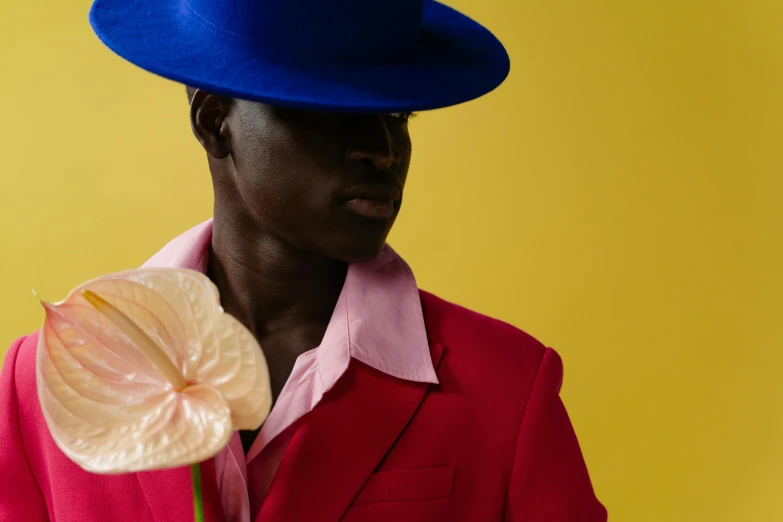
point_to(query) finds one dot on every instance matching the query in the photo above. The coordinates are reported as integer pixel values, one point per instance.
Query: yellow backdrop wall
(619, 198)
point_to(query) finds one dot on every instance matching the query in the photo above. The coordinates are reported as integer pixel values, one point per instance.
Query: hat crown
(338, 29)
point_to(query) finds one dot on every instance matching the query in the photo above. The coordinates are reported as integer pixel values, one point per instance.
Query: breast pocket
(413, 495)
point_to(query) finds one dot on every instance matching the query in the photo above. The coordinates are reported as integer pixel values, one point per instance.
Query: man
(390, 404)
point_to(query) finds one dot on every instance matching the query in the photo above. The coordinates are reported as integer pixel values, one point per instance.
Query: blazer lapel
(169, 493)
(338, 445)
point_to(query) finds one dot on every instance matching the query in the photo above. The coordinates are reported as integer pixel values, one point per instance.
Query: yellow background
(619, 198)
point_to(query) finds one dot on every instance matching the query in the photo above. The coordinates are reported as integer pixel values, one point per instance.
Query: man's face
(326, 183)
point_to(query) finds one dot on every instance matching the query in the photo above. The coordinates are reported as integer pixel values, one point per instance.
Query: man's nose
(374, 145)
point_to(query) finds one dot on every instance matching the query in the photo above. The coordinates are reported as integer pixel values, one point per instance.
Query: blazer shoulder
(486, 360)
(20, 360)
(462, 329)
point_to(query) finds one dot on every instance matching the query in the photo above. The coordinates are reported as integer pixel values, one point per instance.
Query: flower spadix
(143, 370)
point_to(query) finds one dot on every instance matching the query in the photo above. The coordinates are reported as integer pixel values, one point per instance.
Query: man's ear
(208, 114)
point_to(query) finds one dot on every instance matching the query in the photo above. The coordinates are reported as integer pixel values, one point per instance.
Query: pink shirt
(377, 320)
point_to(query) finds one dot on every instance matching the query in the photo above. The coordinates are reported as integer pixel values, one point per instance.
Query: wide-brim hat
(341, 55)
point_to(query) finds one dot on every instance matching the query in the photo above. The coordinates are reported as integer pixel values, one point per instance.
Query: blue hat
(341, 55)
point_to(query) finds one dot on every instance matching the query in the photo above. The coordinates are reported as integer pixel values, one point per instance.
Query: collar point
(430, 376)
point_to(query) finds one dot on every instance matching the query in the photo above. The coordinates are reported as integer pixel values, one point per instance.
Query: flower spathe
(143, 370)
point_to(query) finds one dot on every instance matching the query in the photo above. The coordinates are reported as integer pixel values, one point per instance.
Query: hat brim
(456, 60)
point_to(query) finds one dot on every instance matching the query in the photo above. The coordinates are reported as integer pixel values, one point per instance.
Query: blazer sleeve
(549, 481)
(20, 495)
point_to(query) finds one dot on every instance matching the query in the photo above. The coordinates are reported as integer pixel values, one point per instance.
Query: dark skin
(298, 196)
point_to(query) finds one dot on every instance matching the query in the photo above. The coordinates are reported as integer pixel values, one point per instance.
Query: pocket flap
(401, 485)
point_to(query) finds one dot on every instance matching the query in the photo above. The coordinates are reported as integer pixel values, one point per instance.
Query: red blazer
(491, 443)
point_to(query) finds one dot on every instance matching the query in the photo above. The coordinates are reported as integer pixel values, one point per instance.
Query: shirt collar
(378, 318)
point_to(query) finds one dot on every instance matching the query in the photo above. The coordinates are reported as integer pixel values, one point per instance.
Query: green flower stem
(198, 500)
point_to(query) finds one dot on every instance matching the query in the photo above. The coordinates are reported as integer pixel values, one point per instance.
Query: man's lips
(371, 208)
(374, 191)
(374, 201)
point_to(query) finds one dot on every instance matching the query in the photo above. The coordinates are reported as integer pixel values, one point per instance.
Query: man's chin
(360, 251)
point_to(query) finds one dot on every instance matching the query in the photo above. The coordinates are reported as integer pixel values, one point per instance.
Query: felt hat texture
(340, 55)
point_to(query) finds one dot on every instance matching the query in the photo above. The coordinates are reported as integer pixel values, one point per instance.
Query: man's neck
(284, 296)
